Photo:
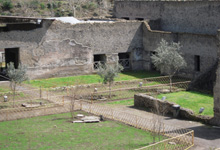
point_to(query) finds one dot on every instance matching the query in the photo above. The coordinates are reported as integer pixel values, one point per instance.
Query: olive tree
(16, 76)
(167, 59)
(108, 73)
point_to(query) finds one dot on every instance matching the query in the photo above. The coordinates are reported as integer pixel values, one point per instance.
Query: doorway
(12, 55)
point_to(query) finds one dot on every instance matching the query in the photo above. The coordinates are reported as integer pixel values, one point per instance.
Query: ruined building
(52, 48)
(193, 23)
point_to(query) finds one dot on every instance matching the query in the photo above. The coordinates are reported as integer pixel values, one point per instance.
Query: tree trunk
(110, 93)
(14, 88)
(72, 103)
(74, 11)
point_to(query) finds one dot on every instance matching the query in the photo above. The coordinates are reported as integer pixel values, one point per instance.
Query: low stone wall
(165, 108)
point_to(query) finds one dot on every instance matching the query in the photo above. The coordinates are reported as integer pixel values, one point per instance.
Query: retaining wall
(165, 108)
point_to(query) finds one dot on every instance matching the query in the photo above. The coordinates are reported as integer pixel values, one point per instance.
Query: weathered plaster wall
(103, 38)
(216, 119)
(59, 49)
(192, 44)
(177, 16)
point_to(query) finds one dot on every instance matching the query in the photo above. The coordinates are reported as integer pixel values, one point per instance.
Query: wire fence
(29, 102)
(170, 137)
(27, 98)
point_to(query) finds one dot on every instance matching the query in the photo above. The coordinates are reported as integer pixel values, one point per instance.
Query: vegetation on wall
(56, 8)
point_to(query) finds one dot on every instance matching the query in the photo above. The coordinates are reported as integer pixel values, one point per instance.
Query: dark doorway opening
(126, 18)
(124, 60)
(100, 58)
(197, 62)
(8, 55)
(12, 55)
(140, 19)
(152, 66)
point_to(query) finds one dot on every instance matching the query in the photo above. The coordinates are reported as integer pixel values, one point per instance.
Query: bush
(42, 6)
(53, 5)
(59, 13)
(34, 4)
(90, 6)
(7, 5)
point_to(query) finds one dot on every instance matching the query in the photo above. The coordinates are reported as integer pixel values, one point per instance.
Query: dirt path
(206, 137)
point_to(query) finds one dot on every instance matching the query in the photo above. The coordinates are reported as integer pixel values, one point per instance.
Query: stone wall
(202, 45)
(176, 16)
(165, 108)
(216, 118)
(108, 38)
(61, 49)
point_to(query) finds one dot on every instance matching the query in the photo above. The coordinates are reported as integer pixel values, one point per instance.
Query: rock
(172, 143)
(91, 121)
(79, 116)
(30, 105)
(78, 121)
(90, 118)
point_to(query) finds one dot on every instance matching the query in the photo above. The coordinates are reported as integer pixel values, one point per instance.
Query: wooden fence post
(136, 121)
(47, 95)
(192, 137)
(112, 114)
(40, 92)
(80, 104)
(63, 100)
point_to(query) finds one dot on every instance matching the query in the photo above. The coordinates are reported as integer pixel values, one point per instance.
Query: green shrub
(18, 5)
(53, 5)
(59, 13)
(90, 6)
(42, 6)
(59, 4)
(7, 5)
(48, 5)
(34, 4)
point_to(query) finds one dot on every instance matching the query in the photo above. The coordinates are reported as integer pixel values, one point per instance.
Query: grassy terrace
(186, 99)
(129, 102)
(192, 100)
(89, 79)
(57, 132)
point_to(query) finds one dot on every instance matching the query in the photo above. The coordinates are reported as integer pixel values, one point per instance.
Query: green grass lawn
(18, 103)
(57, 132)
(4, 89)
(89, 79)
(129, 102)
(192, 100)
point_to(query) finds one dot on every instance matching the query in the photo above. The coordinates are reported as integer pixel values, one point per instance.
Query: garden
(186, 99)
(58, 132)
